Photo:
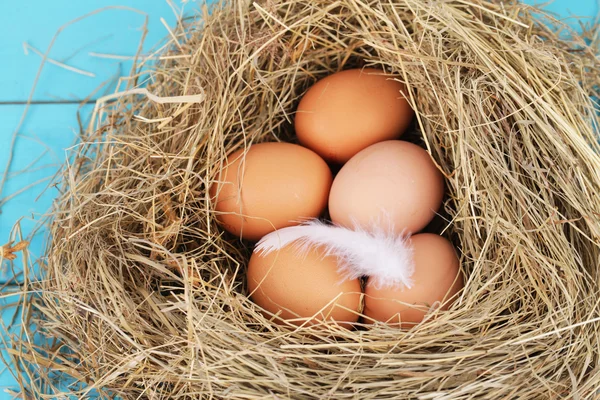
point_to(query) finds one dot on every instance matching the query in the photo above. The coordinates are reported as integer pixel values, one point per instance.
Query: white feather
(378, 253)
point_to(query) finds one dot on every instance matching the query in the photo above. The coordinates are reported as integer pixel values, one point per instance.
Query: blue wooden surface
(50, 128)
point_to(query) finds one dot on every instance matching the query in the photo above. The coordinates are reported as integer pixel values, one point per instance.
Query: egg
(436, 280)
(271, 186)
(300, 285)
(345, 112)
(392, 181)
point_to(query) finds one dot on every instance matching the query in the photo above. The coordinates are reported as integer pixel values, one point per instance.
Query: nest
(144, 294)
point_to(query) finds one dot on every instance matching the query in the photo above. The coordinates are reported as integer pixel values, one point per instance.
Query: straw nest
(144, 295)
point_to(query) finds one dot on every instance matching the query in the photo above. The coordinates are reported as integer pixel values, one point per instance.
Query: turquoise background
(51, 122)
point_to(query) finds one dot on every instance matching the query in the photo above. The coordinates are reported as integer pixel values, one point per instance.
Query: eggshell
(393, 181)
(301, 285)
(272, 186)
(437, 278)
(345, 112)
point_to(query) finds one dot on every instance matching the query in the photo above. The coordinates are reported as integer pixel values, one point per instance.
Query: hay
(146, 295)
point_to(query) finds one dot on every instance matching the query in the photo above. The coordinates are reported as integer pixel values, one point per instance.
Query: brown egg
(436, 279)
(301, 285)
(345, 112)
(394, 180)
(272, 186)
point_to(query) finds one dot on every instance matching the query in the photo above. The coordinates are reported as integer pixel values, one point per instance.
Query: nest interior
(144, 294)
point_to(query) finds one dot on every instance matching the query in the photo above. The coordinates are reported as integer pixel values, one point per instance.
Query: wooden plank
(35, 22)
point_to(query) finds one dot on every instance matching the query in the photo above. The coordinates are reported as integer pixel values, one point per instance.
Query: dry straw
(145, 295)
